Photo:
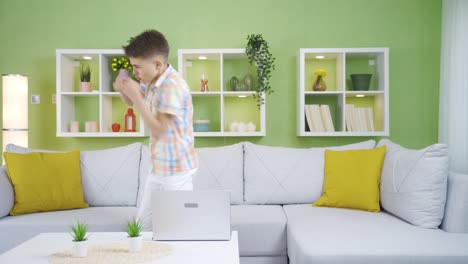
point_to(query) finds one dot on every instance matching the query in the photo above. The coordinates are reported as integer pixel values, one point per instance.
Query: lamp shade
(15, 109)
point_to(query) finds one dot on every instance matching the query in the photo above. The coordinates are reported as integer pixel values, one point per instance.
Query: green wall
(32, 30)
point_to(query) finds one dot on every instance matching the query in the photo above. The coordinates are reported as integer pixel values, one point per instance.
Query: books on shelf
(318, 118)
(359, 119)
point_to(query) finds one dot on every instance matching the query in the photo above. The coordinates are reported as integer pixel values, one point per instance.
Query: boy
(165, 104)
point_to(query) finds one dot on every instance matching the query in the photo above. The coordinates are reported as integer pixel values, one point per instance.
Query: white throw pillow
(280, 175)
(413, 184)
(110, 176)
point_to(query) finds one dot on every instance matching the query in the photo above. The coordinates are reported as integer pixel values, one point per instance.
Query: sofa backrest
(456, 208)
(220, 168)
(279, 175)
(109, 177)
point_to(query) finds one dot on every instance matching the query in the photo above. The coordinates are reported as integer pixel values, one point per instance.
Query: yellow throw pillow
(45, 181)
(352, 179)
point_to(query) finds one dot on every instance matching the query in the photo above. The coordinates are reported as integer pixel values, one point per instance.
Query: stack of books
(318, 118)
(359, 118)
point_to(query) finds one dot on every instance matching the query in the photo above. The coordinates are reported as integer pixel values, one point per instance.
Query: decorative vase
(80, 249)
(242, 127)
(233, 126)
(234, 83)
(361, 81)
(204, 84)
(251, 127)
(135, 244)
(130, 121)
(248, 81)
(319, 84)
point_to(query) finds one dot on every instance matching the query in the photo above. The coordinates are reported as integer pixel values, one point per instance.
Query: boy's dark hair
(147, 44)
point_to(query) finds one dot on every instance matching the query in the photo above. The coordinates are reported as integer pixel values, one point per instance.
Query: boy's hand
(130, 88)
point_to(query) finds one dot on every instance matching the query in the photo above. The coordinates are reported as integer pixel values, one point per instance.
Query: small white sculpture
(242, 127)
(234, 126)
(251, 127)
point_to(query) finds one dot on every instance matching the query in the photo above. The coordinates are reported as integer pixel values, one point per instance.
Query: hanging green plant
(258, 53)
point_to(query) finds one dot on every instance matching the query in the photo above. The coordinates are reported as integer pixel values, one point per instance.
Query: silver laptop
(187, 215)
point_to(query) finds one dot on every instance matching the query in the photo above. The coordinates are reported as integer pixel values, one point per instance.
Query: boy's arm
(125, 99)
(156, 124)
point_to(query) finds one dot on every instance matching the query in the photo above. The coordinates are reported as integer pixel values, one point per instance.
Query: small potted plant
(85, 78)
(121, 67)
(80, 245)
(135, 240)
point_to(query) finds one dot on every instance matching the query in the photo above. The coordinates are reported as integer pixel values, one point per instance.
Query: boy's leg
(144, 211)
(182, 182)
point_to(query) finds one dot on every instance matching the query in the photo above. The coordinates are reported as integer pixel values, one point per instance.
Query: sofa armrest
(7, 195)
(456, 209)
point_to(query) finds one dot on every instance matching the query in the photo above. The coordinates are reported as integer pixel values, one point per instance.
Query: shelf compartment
(202, 64)
(69, 72)
(108, 76)
(89, 111)
(114, 111)
(366, 62)
(373, 101)
(238, 65)
(241, 109)
(332, 63)
(208, 108)
(334, 102)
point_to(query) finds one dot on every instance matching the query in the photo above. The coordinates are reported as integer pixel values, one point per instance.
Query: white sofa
(272, 189)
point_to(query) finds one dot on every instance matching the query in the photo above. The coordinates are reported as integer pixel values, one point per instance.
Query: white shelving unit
(101, 104)
(221, 104)
(339, 63)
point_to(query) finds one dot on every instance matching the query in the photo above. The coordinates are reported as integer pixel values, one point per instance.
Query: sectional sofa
(272, 189)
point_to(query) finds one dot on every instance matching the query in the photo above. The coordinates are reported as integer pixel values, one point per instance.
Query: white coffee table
(38, 248)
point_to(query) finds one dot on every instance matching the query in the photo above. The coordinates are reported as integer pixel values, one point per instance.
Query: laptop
(191, 215)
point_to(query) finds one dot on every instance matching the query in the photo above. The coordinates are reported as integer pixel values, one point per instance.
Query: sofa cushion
(279, 175)
(110, 177)
(352, 179)
(7, 195)
(221, 168)
(22, 227)
(332, 235)
(45, 181)
(261, 228)
(414, 183)
(456, 208)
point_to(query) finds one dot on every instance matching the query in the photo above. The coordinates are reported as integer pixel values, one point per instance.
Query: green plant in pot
(258, 53)
(135, 240)
(79, 234)
(361, 81)
(85, 78)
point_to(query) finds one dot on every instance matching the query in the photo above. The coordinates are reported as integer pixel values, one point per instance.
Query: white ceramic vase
(242, 127)
(135, 244)
(80, 249)
(251, 127)
(233, 126)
